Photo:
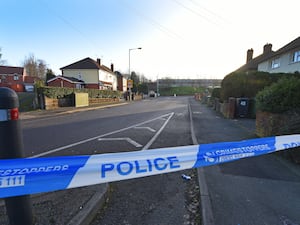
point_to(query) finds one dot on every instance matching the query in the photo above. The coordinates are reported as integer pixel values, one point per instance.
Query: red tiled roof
(29, 79)
(11, 70)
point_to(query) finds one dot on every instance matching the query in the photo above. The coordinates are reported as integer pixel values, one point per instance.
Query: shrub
(57, 92)
(280, 97)
(216, 92)
(246, 84)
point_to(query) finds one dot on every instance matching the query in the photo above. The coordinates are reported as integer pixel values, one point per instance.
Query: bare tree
(2, 62)
(35, 67)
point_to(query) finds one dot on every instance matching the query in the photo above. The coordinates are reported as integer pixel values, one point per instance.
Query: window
(16, 77)
(275, 63)
(296, 57)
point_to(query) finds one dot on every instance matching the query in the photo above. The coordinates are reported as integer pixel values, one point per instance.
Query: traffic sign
(130, 83)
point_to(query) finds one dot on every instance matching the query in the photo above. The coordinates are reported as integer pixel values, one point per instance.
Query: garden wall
(272, 124)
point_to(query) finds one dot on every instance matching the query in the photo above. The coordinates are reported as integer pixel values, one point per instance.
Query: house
(284, 60)
(122, 82)
(92, 73)
(16, 79)
(70, 82)
(252, 63)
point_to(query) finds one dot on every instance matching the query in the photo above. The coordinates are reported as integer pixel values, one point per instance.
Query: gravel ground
(160, 199)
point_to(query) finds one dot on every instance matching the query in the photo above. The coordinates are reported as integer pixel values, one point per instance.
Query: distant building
(16, 79)
(189, 83)
(91, 73)
(122, 82)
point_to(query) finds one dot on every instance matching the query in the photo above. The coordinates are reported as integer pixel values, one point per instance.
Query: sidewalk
(64, 110)
(257, 190)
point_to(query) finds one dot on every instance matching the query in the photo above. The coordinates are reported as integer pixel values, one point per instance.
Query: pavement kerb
(62, 111)
(206, 208)
(90, 209)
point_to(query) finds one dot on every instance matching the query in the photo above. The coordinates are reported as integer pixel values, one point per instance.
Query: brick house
(62, 81)
(122, 82)
(16, 79)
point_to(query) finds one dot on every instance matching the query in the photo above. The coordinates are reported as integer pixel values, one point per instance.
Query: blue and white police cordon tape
(36, 175)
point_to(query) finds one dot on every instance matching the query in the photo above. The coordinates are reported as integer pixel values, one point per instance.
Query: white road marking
(196, 112)
(158, 133)
(147, 128)
(129, 140)
(100, 136)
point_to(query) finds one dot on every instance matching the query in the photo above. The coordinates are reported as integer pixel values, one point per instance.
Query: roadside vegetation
(280, 97)
(276, 100)
(26, 101)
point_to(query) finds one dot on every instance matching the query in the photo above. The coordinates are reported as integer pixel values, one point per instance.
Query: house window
(296, 57)
(275, 63)
(16, 77)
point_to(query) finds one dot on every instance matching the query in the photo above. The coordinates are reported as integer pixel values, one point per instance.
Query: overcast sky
(179, 38)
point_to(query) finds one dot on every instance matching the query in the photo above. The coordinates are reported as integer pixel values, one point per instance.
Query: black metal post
(19, 209)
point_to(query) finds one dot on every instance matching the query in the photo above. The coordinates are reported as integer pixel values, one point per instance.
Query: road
(143, 125)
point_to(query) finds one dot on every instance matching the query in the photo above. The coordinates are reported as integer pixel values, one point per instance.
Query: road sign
(130, 83)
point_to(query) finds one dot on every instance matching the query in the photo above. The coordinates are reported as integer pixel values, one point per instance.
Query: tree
(35, 67)
(136, 81)
(2, 62)
(49, 74)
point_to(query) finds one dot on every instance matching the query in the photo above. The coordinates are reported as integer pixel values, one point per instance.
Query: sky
(180, 39)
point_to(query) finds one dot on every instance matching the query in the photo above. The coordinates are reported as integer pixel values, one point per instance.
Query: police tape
(37, 175)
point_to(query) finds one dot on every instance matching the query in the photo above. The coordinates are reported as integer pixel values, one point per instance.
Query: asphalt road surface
(143, 125)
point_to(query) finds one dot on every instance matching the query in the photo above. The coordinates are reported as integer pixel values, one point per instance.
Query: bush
(246, 84)
(216, 93)
(57, 92)
(280, 97)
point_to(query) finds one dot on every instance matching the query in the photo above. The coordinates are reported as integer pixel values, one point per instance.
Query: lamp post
(129, 69)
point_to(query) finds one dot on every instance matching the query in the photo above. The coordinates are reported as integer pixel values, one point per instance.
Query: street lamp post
(129, 69)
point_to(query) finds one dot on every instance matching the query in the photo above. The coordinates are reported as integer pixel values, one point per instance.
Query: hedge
(281, 96)
(57, 92)
(247, 84)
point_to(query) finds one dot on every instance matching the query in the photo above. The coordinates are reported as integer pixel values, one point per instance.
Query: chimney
(267, 48)
(99, 61)
(112, 67)
(249, 55)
